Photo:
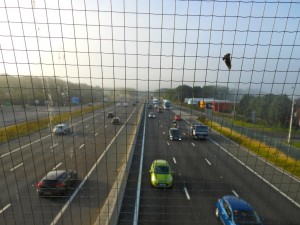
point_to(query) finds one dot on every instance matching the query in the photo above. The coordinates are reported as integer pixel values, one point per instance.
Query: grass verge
(21, 129)
(271, 154)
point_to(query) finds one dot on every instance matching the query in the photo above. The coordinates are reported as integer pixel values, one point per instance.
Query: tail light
(59, 184)
(40, 184)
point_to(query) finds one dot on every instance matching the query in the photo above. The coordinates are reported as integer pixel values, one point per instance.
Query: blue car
(232, 210)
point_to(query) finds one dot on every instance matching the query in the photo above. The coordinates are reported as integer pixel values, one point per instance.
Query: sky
(151, 44)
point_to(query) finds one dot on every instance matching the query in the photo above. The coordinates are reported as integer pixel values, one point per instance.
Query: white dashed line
(174, 160)
(208, 162)
(193, 144)
(164, 133)
(87, 126)
(96, 134)
(58, 165)
(187, 194)
(168, 143)
(54, 145)
(233, 191)
(5, 208)
(12, 169)
(81, 146)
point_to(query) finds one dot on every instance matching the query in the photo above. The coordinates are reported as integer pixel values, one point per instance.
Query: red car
(177, 118)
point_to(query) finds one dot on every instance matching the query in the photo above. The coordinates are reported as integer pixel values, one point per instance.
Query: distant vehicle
(166, 104)
(125, 104)
(133, 104)
(174, 134)
(110, 115)
(159, 110)
(161, 174)
(198, 131)
(116, 120)
(61, 129)
(119, 104)
(233, 210)
(177, 117)
(151, 115)
(56, 183)
(150, 106)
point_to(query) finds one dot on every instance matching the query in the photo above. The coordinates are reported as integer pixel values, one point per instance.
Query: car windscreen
(201, 128)
(162, 170)
(246, 217)
(175, 132)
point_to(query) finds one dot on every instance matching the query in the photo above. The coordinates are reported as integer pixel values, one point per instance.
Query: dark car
(235, 211)
(116, 120)
(57, 183)
(110, 115)
(174, 134)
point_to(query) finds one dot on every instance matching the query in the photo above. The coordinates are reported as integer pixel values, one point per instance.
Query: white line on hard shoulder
(187, 194)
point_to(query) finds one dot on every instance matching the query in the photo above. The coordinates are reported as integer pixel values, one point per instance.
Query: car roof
(160, 162)
(173, 128)
(237, 203)
(53, 175)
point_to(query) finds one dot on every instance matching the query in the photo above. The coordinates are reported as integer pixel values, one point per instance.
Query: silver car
(61, 129)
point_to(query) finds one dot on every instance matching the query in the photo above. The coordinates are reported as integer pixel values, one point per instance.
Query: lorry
(198, 131)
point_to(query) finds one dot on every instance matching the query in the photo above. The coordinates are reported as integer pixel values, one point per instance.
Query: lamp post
(291, 118)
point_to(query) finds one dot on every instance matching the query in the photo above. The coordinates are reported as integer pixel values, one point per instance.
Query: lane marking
(164, 133)
(183, 133)
(96, 134)
(87, 126)
(168, 143)
(81, 146)
(16, 167)
(193, 144)
(5, 208)
(105, 126)
(187, 194)
(208, 162)
(66, 205)
(236, 194)
(174, 160)
(258, 175)
(53, 145)
(58, 165)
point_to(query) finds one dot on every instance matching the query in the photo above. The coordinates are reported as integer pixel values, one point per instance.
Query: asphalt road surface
(204, 171)
(95, 150)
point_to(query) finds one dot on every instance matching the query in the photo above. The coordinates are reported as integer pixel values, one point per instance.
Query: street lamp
(291, 118)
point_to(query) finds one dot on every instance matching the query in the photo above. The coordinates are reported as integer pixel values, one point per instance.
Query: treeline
(274, 109)
(22, 90)
(184, 91)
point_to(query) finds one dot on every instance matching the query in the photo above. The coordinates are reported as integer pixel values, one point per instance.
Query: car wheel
(217, 213)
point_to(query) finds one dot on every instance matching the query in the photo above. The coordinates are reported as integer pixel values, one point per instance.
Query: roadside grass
(271, 154)
(21, 129)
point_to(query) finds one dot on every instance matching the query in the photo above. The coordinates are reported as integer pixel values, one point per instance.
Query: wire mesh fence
(149, 112)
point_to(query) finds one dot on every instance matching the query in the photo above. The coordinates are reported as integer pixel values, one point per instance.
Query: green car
(161, 174)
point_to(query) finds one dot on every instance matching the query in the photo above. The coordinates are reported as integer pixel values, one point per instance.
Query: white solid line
(5, 208)
(208, 162)
(12, 169)
(187, 194)
(236, 194)
(258, 175)
(64, 208)
(193, 144)
(96, 134)
(58, 165)
(81, 146)
(174, 160)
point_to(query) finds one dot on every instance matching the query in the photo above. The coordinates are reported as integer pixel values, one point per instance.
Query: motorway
(204, 171)
(95, 150)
